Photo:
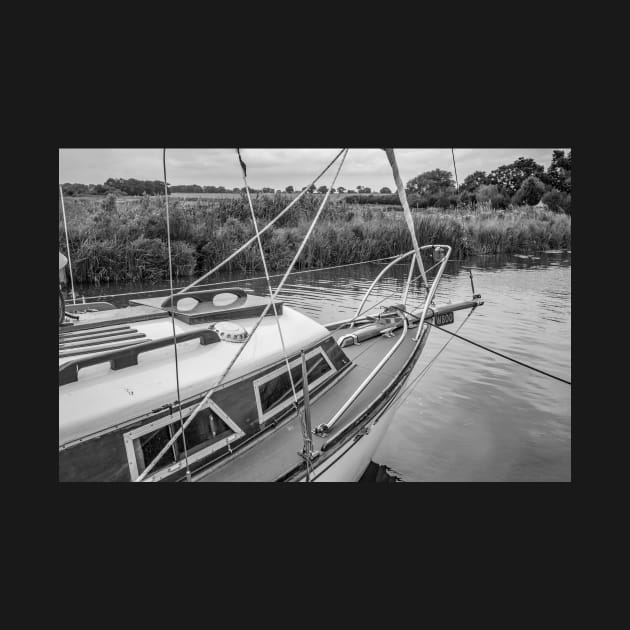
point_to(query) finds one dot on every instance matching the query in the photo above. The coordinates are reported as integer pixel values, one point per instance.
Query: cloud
(277, 168)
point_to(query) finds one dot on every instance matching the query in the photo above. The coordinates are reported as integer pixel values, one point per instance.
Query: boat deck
(273, 454)
(96, 319)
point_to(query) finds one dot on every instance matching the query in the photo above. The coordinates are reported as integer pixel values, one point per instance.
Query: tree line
(135, 187)
(115, 186)
(524, 181)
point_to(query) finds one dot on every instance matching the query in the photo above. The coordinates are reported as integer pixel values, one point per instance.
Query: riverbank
(124, 240)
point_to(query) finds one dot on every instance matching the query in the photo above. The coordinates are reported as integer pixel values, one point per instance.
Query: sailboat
(226, 385)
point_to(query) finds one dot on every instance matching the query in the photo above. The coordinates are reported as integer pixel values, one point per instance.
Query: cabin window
(211, 430)
(273, 391)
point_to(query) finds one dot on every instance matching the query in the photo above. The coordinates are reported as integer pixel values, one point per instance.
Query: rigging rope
(172, 309)
(251, 240)
(216, 284)
(192, 416)
(264, 262)
(65, 226)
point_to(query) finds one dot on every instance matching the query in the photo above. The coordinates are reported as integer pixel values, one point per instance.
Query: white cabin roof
(103, 398)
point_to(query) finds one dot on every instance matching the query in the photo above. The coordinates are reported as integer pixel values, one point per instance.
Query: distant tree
(431, 183)
(332, 190)
(558, 174)
(367, 190)
(236, 190)
(135, 186)
(490, 193)
(385, 191)
(311, 188)
(530, 192)
(473, 181)
(557, 201)
(267, 190)
(510, 177)
(341, 189)
(289, 189)
(190, 188)
(72, 190)
(322, 189)
(352, 192)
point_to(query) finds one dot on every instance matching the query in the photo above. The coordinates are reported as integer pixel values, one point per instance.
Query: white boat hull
(350, 462)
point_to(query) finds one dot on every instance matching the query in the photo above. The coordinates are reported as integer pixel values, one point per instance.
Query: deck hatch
(200, 307)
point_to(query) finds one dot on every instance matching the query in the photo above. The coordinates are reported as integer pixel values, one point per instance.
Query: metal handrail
(353, 319)
(323, 428)
(378, 277)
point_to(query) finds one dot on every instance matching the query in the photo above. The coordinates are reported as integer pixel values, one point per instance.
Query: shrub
(530, 192)
(557, 201)
(489, 193)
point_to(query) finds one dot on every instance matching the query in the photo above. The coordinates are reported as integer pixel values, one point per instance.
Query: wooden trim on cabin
(160, 473)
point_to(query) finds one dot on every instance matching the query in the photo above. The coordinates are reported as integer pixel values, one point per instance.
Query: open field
(124, 239)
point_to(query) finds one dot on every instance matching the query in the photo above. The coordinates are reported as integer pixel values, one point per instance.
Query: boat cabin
(118, 401)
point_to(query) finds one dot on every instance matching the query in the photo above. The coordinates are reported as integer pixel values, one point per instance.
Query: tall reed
(125, 240)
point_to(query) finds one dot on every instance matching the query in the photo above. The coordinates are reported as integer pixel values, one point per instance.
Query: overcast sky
(277, 168)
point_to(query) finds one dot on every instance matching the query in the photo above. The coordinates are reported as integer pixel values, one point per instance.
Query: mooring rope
(426, 368)
(531, 367)
(474, 343)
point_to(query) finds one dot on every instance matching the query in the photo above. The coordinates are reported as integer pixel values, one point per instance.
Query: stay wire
(216, 284)
(264, 262)
(172, 310)
(193, 415)
(65, 227)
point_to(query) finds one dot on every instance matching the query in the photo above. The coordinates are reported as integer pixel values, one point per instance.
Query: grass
(125, 239)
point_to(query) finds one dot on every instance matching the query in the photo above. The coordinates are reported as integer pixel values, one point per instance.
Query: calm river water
(473, 416)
